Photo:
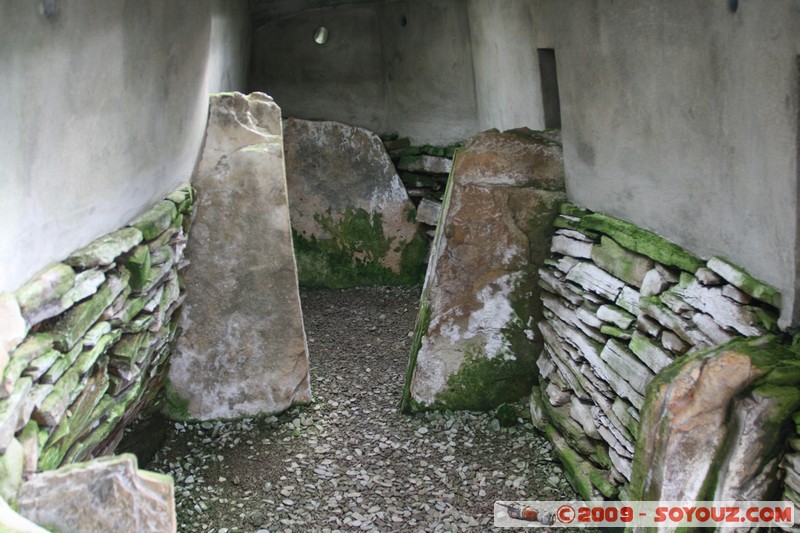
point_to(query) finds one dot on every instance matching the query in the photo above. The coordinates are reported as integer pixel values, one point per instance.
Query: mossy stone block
(183, 198)
(743, 281)
(138, 264)
(11, 471)
(40, 298)
(628, 266)
(155, 221)
(642, 241)
(571, 210)
(438, 151)
(106, 249)
(576, 469)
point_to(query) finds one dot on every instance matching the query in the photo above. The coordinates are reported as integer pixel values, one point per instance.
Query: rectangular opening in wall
(549, 81)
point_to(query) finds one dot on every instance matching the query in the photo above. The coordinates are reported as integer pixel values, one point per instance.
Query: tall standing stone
(243, 350)
(476, 341)
(352, 219)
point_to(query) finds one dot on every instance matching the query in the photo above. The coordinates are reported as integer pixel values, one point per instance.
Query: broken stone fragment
(708, 277)
(642, 241)
(565, 245)
(673, 343)
(653, 283)
(40, 298)
(594, 279)
(745, 282)
(629, 300)
(725, 312)
(138, 264)
(108, 494)
(428, 212)
(615, 315)
(106, 249)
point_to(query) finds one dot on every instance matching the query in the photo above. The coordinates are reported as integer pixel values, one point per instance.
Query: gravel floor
(349, 461)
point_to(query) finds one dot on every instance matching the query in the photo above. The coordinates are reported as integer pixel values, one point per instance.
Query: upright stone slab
(243, 350)
(352, 220)
(476, 341)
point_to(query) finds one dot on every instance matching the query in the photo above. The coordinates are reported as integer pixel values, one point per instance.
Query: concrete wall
(103, 113)
(374, 71)
(682, 117)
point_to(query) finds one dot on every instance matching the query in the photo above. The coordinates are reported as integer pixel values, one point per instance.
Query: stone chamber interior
(377, 264)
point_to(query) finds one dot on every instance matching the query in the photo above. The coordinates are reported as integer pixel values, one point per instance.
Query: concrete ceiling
(262, 11)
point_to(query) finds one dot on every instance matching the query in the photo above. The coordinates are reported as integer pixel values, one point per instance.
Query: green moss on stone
(506, 414)
(352, 255)
(155, 221)
(628, 266)
(138, 264)
(420, 329)
(576, 469)
(642, 241)
(175, 406)
(569, 209)
(738, 277)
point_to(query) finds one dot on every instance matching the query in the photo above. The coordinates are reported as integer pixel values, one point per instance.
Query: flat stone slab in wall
(352, 220)
(475, 343)
(243, 351)
(108, 494)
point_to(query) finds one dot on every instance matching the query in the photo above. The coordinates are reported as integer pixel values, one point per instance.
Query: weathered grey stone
(711, 329)
(539, 417)
(683, 328)
(588, 315)
(572, 247)
(425, 163)
(613, 331)
(108, 494)
(565, 264)
(615, 315)
(29, 439)
(86, 284)
(106, 249)
(690, 448)
(650, 354)
(622, 464)
(647, 325)
(557, 396)
(11, 462)
(480, 300)
(96, 333)
(744, 281)
(617, 438)
(707, 277)
(243, 350)
(653, 283)
(561, 359)
(673, 343)
(629, 300)
(596, 280)
(10, 411)
(550, 283)
(624, 363)
(677, 305)
(582, 413)
(428, 212)
(12, 327)
(571, 317)
(40, 298)
(620, 262)
(729, 291)
(724, 311)
(623, 411)
(351, 216)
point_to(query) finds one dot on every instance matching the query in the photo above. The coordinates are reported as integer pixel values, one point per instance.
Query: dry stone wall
(85, 344)
(621, 304)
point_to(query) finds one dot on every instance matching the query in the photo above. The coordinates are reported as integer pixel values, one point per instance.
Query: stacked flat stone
(621, 303)
(85, 343)
(791, 468)
(424, 171)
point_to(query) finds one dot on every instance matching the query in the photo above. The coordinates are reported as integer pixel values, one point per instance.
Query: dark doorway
(549, 79)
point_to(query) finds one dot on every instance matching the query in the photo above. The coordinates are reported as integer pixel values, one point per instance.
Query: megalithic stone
(243, 351)
(476, 341)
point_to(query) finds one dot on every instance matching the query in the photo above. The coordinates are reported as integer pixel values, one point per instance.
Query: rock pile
(621, 303)
(85, 343)
(424, 171)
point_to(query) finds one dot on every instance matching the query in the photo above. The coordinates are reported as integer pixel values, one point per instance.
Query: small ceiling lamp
(321, 35)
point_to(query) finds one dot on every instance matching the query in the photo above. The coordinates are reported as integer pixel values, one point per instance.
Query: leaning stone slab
(737, 277)
(243, 350)
(105, 250)
(642, 241)
(352, 220)
(714, 422)
(108, 494)
(624, 363)
(40, 298)
(474, 346)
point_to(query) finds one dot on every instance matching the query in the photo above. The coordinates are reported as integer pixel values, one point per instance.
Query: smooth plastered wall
(104, 108)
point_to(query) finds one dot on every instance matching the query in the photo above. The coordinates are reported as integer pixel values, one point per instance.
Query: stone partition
(352, 221)
(475, 344)
(85, 344)
(244, 348)
(621, 304)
